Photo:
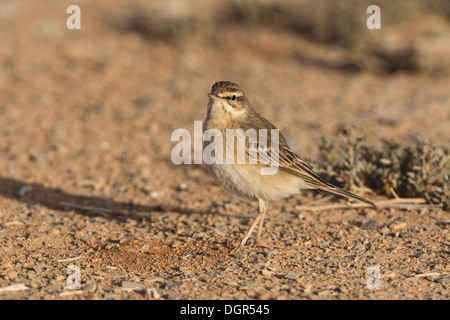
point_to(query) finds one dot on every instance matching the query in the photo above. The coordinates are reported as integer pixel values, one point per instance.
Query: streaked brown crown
(232, 93)
(226, 88)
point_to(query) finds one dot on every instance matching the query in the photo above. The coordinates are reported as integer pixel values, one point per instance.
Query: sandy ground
(88, 190)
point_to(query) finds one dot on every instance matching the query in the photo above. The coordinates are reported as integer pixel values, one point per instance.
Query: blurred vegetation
(402, 44)
(343, 24)
(338, 22)
(421, 170)
(153, 25)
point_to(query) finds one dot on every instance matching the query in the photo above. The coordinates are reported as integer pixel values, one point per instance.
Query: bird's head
(227, 99)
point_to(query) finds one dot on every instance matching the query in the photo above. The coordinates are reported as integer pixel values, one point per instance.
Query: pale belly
(246, 182)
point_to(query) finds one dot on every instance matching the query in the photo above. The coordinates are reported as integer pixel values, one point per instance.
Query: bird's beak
(214, 97)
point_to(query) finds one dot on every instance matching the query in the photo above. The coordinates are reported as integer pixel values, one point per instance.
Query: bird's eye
(233, 97)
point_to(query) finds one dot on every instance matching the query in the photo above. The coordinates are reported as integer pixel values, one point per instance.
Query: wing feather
(291, 163)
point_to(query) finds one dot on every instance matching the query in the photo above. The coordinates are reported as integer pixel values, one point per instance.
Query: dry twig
(402, 203)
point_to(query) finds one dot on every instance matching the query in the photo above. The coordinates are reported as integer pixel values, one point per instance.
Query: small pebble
(269, 255)
(175, 296)
(14, 287)
(398, 226)
(324, 293)
(239, 256)
(24, 190)
(155, 194)
(266, 273)
(90, 287)
(292, 275)
(371, 214)
(183, 186)
(152, 293)
(130, 285)
(145, 248)
(324, 245)
(11, 274)
(174, 284)
(220, 228)
(105, 145)
(369, 224)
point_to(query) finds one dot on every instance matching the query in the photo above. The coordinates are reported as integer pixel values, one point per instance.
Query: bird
(229, 109)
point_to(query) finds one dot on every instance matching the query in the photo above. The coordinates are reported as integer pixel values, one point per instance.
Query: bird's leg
(249, 232)
(261, 213)
(262, 209)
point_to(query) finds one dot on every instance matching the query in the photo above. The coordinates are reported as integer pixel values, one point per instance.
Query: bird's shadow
(57, 199)
(33, 194)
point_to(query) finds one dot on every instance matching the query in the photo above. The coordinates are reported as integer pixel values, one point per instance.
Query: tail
(341, 192)
(292, 164)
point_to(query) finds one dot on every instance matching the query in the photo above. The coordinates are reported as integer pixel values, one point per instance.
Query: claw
(260, 243)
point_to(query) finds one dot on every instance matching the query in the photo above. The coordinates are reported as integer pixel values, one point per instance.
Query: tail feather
(341, 192)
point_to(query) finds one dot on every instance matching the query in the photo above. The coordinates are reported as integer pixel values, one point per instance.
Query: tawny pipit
(228, 108)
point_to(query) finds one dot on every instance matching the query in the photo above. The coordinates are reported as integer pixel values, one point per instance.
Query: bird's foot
(260, 243)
